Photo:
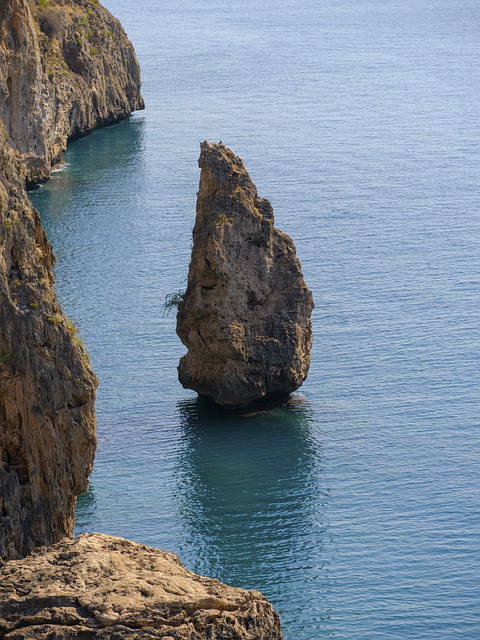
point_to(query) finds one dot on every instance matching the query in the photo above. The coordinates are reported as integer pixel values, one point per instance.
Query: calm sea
(357, 509)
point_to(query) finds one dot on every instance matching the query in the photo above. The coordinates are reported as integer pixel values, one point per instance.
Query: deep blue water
(357, 509)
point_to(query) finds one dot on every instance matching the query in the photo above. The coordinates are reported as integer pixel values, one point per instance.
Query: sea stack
(245, 316)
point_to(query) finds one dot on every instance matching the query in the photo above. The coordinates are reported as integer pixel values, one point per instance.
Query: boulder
(99, 587)
(245, 316)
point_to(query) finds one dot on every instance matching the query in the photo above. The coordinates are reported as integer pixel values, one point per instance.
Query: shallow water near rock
(356, 508)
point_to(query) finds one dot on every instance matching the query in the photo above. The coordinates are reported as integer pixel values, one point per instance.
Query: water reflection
(252, 496)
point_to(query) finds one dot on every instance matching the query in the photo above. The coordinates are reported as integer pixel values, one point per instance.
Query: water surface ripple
(355, 510)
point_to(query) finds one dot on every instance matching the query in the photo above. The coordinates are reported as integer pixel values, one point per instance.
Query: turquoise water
(356, 510)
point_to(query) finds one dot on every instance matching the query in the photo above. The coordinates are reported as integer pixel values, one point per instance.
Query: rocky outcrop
(65, 69)
(245, 316)
(99, 587)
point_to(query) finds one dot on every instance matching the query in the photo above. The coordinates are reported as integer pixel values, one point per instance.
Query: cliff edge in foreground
(245, 316)
(64, 69)
(100, 587)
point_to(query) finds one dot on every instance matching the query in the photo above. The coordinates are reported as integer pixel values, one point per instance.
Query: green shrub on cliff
(172, 300)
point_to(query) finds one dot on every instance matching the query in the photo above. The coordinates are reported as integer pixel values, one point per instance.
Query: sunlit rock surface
(245, 316)
(99, 587)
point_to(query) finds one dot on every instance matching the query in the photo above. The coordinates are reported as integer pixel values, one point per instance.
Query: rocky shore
(99, 587)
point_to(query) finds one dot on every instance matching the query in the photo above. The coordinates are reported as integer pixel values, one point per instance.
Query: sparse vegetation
(172, 300)
(75, 333)
(222, 218)
(4, 359)
(72, 327)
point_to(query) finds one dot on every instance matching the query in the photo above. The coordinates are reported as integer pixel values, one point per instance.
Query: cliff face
(47, 389)
(245, 316)
(64, 70)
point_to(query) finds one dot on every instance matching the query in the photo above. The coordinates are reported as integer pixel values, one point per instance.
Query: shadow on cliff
(252, 495)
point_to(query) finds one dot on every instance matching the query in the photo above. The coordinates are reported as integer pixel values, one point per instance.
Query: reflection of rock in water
(251, 494)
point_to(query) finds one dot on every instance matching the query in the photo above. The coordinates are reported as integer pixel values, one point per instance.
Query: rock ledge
(98, 587)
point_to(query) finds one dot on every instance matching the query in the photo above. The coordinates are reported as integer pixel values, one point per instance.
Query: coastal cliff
(65, 69)
(245, 316)
(47, 389)
(103, 588)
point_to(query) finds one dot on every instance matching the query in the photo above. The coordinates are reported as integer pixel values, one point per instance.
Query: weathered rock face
(65, 69)
(100, 587)
(47, 389)
(245, 316)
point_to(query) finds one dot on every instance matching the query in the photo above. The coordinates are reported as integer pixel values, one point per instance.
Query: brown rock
(245, 316)
(100, 587)
(47, 389)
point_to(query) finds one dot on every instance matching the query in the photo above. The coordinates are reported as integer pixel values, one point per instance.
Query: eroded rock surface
(47, 389)
(245, 316)
(100, 587)
(64, 69)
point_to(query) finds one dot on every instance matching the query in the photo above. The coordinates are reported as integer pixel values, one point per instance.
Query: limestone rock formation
(64, 70)
(47, 389)
(245, 316)
(99, 587)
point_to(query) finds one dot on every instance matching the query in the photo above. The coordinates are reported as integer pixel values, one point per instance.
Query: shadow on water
(251, 494)
(85, 510)
(90, 165)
